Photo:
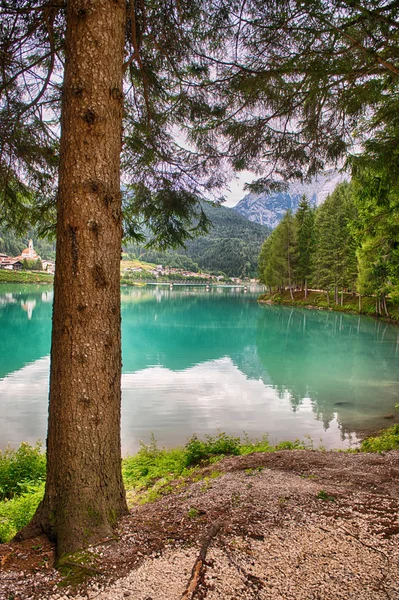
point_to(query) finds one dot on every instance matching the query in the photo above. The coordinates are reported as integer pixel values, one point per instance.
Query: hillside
(269, 209)
(232, 246)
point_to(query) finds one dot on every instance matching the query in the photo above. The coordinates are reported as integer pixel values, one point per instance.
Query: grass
(148, 475)
(137, 264)
(25, 277)
(317, 299)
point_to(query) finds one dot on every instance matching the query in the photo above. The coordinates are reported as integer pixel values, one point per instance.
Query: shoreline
(316, 300)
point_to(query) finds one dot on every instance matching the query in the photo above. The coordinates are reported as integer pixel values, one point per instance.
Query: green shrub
(296, 445)
(197, 451)
(386, 440)
(20, 469)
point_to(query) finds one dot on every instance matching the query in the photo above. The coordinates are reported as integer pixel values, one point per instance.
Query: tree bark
(306, 288)
(360, 303)
(384, 301)
(84, 493)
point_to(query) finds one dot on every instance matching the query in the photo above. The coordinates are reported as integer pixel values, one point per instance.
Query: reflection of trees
(326, 357)
(186, 327)
(330, 357)
(23, 340)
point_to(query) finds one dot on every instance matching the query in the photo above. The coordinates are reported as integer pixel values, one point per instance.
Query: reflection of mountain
(346, 365)
(25, 333)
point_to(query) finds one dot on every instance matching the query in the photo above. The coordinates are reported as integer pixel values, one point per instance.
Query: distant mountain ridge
(232, 246)
(269, 209)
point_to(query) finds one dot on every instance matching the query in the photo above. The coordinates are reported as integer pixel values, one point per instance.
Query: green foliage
(376, 193)
(197, 451)
(335, 254)
(193, 513)
(386, 440)
(322, 495)
(17, 512)
(20, 469)
(231, 245)
(350, 302)
(12, 244)
(278, 256)
(295, 445)
(24, 277)
(22, 475)
(304, 219)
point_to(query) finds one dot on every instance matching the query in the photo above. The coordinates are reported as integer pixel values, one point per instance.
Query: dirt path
(289, 525)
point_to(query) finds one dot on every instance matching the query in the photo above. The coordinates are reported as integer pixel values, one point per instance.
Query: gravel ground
(289, 525)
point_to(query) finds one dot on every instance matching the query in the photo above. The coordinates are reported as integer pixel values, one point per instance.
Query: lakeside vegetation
(348, 244)
(25, 277)
(149, 474)
(319, 300)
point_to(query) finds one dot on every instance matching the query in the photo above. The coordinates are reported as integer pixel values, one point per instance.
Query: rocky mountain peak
(269, 208)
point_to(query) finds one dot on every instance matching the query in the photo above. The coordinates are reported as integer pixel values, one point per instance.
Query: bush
(386, 440)
(197, 450)
(20, 469)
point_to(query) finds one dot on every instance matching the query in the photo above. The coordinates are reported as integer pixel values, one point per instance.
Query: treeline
(345, 245)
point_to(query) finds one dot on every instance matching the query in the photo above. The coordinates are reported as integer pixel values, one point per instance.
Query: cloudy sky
(236, 191)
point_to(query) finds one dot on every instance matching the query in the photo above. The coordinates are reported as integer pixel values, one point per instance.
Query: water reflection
(346, 365)
(197, 360)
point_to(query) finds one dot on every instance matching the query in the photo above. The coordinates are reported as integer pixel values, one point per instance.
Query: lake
(197, 361)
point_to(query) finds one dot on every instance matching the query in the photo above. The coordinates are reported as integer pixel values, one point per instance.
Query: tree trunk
(306, 288)
(384, 302)
(360, 303)
(342, 297)
(84, 489)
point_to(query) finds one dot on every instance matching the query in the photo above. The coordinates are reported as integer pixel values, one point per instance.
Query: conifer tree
(100, 73)
(304, 218)
(335, 251)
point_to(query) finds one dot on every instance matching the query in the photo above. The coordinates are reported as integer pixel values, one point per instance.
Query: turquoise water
(197, 361)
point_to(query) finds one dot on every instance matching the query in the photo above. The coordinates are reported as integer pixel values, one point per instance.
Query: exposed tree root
(198, 568)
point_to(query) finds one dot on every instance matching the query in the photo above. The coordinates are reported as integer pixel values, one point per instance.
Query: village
(136, 270)
(160, 273)
(27, 260)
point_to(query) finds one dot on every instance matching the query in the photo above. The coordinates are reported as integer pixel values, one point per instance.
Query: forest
(231, 246)
(346, 244)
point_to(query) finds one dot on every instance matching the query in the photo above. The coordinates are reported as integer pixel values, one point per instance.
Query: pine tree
(304, 219)
(335, 252)
(287, 243)
(98, 72)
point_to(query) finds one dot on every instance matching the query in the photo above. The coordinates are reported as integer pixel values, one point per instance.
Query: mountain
(232, 246)
(269, 209)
